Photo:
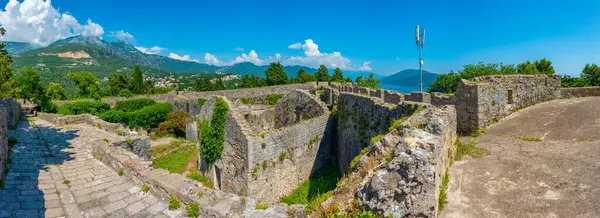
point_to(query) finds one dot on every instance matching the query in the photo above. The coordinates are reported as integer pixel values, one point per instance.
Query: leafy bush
(114, 116)
(147, 117)
(83, 107)
(175, 124)
(273, 98)
(150, 116)
(193, 210)
(213, 133)
(174, 203)
(133, 105)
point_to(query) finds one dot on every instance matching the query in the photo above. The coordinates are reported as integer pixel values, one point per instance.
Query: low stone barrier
(423, 97)
(140, 145)
(13, 111)
(439, 99)
(580, 92)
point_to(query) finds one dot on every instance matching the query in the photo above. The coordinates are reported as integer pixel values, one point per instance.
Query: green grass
(145, 188)
(261, 206)
(529, 139)
(443, 197)
(469, 149)
(399, 122)
(478, 133)
(354, 161)
(273, 98)
(120, 172)
(176, 162)
(317, 189)
(205, 181)
(376, 138)
(66, 182)
(156, 151)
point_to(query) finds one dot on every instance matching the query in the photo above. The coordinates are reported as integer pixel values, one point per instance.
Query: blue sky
(374, 35)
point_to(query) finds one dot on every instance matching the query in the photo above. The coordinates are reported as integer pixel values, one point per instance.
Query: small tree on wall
(213, 133)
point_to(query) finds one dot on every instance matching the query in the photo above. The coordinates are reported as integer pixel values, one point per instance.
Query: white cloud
(277, 56)
(310, 48)
(251, 57)
(153, 50)
(122, 35)
(182, 58)
(295, 46)
(238, 49)
(366, 66)
(211, 59)
(313, 58)
(39, 23)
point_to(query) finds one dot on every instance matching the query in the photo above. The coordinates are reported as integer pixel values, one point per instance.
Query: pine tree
(138, 80)
(276, 75)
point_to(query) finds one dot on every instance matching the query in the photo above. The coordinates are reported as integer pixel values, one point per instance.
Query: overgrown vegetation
(469, 149)
(316, 189)
(193, 209)
(174, 125)
(261, 206)
(145, 188)
(83, 107)
(174, 203)
(443, 197)
(355, 211)
(205, 181)
(356, 159)
(201, 102)
(529, 139)
(213, 132)
(146, 117)
(478, 133)
(273, 98)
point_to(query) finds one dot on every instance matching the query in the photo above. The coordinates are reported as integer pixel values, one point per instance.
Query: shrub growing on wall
(114, 116)
(134, 104)
(175, 124)
(83, 107)
(213, 133)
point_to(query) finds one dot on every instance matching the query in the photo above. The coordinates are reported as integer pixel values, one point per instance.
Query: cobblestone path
(53, 174)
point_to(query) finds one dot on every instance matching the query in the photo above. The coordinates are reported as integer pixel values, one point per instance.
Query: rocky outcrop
(408, 184)
(74, 54)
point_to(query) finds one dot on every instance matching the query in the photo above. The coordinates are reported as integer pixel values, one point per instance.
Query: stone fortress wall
(10, 111)
(485, 100)
(269, 152)
(361, 118)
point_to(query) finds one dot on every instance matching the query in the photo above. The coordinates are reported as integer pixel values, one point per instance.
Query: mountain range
(102, 58)
(409, 77)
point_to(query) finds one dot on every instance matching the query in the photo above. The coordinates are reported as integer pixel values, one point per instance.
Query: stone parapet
(140, 145)
(576, 92)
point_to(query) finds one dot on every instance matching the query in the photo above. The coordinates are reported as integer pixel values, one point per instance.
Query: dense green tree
(87, 84)
(29, 85)
(276, 75)
(118, 82)
(527, 68)
(219, 85)
(568, 81)
(6, 71)
(591, 72)
(338, 76)
(202, 84)
(138, 80)
(56, 92)
(322, 73)
(251, 81)
(446, 83)
(544, 66)
(303, 76)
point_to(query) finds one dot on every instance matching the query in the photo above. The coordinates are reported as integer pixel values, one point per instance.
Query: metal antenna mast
(420, 40)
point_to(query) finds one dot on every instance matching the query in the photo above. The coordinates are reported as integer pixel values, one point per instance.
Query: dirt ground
(558, 176)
